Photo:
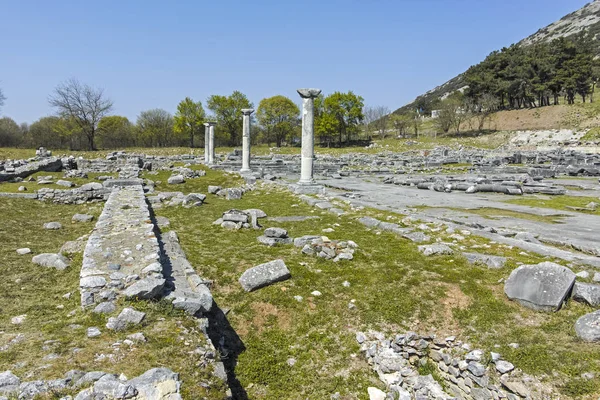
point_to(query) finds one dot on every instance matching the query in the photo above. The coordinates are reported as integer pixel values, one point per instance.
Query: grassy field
(392, 286)
(560, 203)
(53, 340)
(424, 142)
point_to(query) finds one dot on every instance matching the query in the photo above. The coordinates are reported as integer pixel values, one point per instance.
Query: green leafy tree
(46, 132)
(189, 119)
(228, 112)
(278, 116)
(115, 131)
(401, 123)
(325, 124)
(347, 110)
(155, 127)
(10, 133)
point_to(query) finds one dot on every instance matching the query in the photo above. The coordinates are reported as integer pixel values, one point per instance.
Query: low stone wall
(83, 194)
(186, 289)
(122, 254)
(464, 373)
(114, 162)
(51, 164)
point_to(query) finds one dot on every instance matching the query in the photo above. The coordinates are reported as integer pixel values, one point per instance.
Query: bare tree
(382, 120)
(83, 104)
(486, 106)
(368, 120)
(2, 98)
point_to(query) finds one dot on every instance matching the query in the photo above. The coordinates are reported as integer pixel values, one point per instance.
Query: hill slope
(586, 18)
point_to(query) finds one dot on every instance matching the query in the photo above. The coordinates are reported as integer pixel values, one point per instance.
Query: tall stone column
(211, 143)
(246, 140)
(308, 135)
(206, 142)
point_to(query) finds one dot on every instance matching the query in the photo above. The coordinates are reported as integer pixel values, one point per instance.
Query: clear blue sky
(152, 54)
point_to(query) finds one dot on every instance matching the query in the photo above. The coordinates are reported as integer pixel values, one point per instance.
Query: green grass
(498, 213)
(393, 286)
(425, 141)
(38, 292)
(560, 203)
(593, 135)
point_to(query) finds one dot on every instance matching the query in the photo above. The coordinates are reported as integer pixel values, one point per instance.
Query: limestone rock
(276, 233)
(587, 327)
(82, 218)
(127, 317)
(176, 180)
(264, 275)
(587, 293)
(541, 287)
(492, 262)
(9, 382)
(416, 237)
(273, 241)
(51, 260)
(527, 237)
(147, 288)
(369, 222)
(93, 332)
(23, 251)
(91, 186)
(376, 394)
(213, 189)
(157, 383)
(64, 183)
(435, 249)
(52, 225)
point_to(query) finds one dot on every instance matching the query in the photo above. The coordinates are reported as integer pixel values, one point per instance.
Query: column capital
(309, 93)
(247, 111)
(210, 123)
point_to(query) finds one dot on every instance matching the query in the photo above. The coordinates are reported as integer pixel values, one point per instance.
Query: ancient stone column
(211, 143)
(206, 142)
(308, 139)
(246, 140)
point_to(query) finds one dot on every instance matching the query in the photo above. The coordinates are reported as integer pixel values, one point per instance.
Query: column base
(245, 171)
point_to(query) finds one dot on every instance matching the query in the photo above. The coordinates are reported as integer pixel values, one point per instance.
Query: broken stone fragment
(264, 275)
(175, 180)
(587, 293)
(587, 327)
(147, 288)
(435, 249)
(127, 317)
(541, 287)
(51, 260)
(276, 233)
(52, 225)
(82, 218)
(492, 262)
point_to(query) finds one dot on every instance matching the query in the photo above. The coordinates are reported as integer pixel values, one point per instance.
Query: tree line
(519, 76)
(539, 74)
(84, 121)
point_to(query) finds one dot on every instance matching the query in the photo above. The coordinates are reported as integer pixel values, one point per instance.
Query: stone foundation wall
(51, 164)
(122, 255)
(81, 195)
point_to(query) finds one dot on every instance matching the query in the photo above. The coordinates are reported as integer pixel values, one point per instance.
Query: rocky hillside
(586, 18)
